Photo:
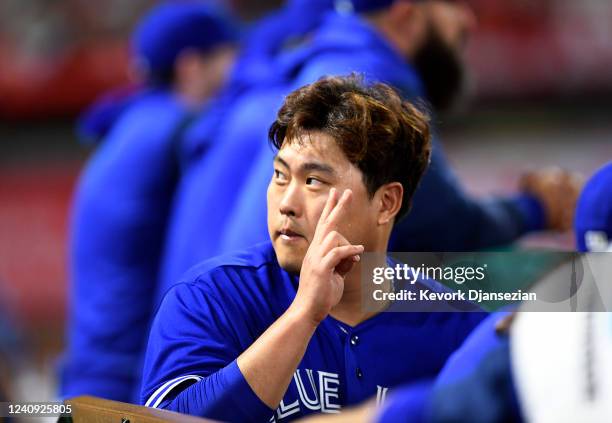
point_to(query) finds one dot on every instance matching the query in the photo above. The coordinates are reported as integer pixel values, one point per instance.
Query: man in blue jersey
(124, 195)
(278, 331)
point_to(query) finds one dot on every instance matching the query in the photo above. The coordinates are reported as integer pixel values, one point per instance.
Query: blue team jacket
(119, 218)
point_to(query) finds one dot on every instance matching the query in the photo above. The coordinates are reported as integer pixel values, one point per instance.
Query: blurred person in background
(416, 47)
(182, 54)
(509, 369)
(94, 124)
(228, 136)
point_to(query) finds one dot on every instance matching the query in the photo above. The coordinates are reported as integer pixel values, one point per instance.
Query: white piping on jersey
(174, 383)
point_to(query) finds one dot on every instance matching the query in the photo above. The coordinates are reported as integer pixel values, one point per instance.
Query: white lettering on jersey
(309, 403)
(286, 410)
(328, 391)
(321, 399)
(381, 394)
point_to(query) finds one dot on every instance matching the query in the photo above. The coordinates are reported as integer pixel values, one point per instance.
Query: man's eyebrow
(278, 159)
(308, 166)
(321, 167)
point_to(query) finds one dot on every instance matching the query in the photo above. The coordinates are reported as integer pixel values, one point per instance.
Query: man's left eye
(313, 181)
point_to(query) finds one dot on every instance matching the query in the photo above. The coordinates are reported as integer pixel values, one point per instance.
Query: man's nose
(290, 203)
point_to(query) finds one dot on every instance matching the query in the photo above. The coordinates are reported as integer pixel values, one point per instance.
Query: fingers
(333, 239)
(335, 250)
(571, 188)
(334, 210)
(332, 200)
(345, 254)
(558, 191)
(535, 180)
(338, 212)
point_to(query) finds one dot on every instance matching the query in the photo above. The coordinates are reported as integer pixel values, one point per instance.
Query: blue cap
(171, 27)
(593, 221)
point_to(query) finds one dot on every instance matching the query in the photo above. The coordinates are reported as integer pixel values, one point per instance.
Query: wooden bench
(96, 410)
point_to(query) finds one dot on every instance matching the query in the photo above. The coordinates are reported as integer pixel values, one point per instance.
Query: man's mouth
(289, 235)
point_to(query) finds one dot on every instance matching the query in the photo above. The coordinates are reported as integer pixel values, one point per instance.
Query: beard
(441, 70)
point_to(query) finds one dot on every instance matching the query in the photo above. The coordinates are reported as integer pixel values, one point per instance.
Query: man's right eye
(279, 176)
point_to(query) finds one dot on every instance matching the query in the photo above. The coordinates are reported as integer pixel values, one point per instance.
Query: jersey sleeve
(190, 364)
(410, 400)
(453, 220)
(476, 383)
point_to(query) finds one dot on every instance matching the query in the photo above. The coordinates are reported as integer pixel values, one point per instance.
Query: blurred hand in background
(557, 190)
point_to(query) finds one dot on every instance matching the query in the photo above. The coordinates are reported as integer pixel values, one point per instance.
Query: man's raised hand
(330, 257)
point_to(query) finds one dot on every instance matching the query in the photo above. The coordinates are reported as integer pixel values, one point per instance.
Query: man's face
(209, 72)
(439, 61)
(303, 175)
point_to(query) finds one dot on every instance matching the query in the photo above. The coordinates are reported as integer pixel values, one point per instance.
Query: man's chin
(289, 260)
(291, 267)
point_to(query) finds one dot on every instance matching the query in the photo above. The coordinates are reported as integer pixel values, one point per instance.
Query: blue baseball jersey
(222, 306)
